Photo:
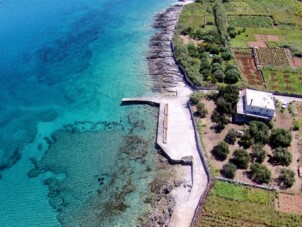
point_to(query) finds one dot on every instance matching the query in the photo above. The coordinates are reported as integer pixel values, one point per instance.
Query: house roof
(260, 99)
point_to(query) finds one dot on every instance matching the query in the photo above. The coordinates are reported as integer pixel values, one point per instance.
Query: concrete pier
(177, 139)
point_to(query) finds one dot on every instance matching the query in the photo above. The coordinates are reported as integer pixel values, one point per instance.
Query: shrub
(201, 109)
(280, 138)
(295, 125)
(282, 156)
(258, 153)
(241, 158)
(194, 98)
(260, 174)
(229, 170)
(221, 151)
(231, 137)
(259, 131)
(286, 178)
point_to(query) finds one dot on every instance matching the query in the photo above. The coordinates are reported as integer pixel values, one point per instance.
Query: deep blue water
(70, 154)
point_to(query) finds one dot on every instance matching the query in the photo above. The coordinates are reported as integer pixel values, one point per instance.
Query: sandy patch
(186, 39)
(297, 61)
(257, 44)
(273, 38)
(259, 37)
(289, 203)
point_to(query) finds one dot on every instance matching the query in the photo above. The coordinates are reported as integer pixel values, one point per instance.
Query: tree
(258, 153)
(260, 174)
(219, 75)
(282, 156)
(231, 137)
(246, 140)
(286, 178)
(221, 151)
(241, 158)
(201, 109)
(229, 170)
(230, 93)
(221, 119)
(223, 106)
(231, 76)
(226, 55)
(259, 131)
(280, 138)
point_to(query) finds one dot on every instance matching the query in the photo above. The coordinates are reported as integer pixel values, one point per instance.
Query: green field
(286, 80)
(250, 21)
(234, 205)
(256, 16)
(197, 16)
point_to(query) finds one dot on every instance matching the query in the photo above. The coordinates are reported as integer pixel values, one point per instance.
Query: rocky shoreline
(166, 79)
(162, 67)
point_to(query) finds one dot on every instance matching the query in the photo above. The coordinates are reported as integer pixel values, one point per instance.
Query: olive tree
(260, 174)
(221, 151)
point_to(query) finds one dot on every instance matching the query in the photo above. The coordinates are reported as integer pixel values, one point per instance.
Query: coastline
(168, 80)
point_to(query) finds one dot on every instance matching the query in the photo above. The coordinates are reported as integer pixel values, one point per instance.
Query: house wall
(258, 110)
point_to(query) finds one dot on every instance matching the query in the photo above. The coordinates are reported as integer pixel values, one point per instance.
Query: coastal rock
(162, 66)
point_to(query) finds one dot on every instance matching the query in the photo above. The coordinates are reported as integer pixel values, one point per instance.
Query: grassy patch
(250, 21)
(257, 209)
(287, 80)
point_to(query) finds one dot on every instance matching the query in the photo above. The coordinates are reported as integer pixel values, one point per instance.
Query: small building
(255, 105)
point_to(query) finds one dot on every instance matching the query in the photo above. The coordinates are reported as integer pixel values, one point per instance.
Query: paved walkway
(180, 143)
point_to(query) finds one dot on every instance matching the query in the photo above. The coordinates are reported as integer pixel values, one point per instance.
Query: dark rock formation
(162, 66)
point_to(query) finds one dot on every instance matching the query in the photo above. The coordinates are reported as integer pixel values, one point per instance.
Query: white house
(255, 105)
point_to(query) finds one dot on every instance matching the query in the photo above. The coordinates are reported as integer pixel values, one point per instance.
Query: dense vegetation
(207, 62)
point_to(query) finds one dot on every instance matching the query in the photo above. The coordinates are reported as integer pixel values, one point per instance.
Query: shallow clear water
(70, 154)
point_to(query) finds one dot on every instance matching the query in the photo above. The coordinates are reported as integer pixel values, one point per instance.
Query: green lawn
(286, 80)
(234, 205)
(197, 16)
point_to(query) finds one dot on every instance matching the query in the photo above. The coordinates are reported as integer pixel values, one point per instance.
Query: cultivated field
(234, 205)
(272, 57)
(286, 80)
(268, 17)
(249, 72)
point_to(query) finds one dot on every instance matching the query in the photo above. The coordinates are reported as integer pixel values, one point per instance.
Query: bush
(286, 178)
(231, 137)
(259, 132)
(201, 109)
(295, 125)
(241, 158)
(221, 151)
(229, 170)
(258, 153)
(280, 138)
(282, 156)
(260, 174)
(196, 96)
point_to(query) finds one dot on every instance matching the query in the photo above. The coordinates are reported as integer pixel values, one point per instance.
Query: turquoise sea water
(69, 153)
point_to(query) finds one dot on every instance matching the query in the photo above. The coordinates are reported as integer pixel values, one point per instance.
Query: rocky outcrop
(162, 66)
